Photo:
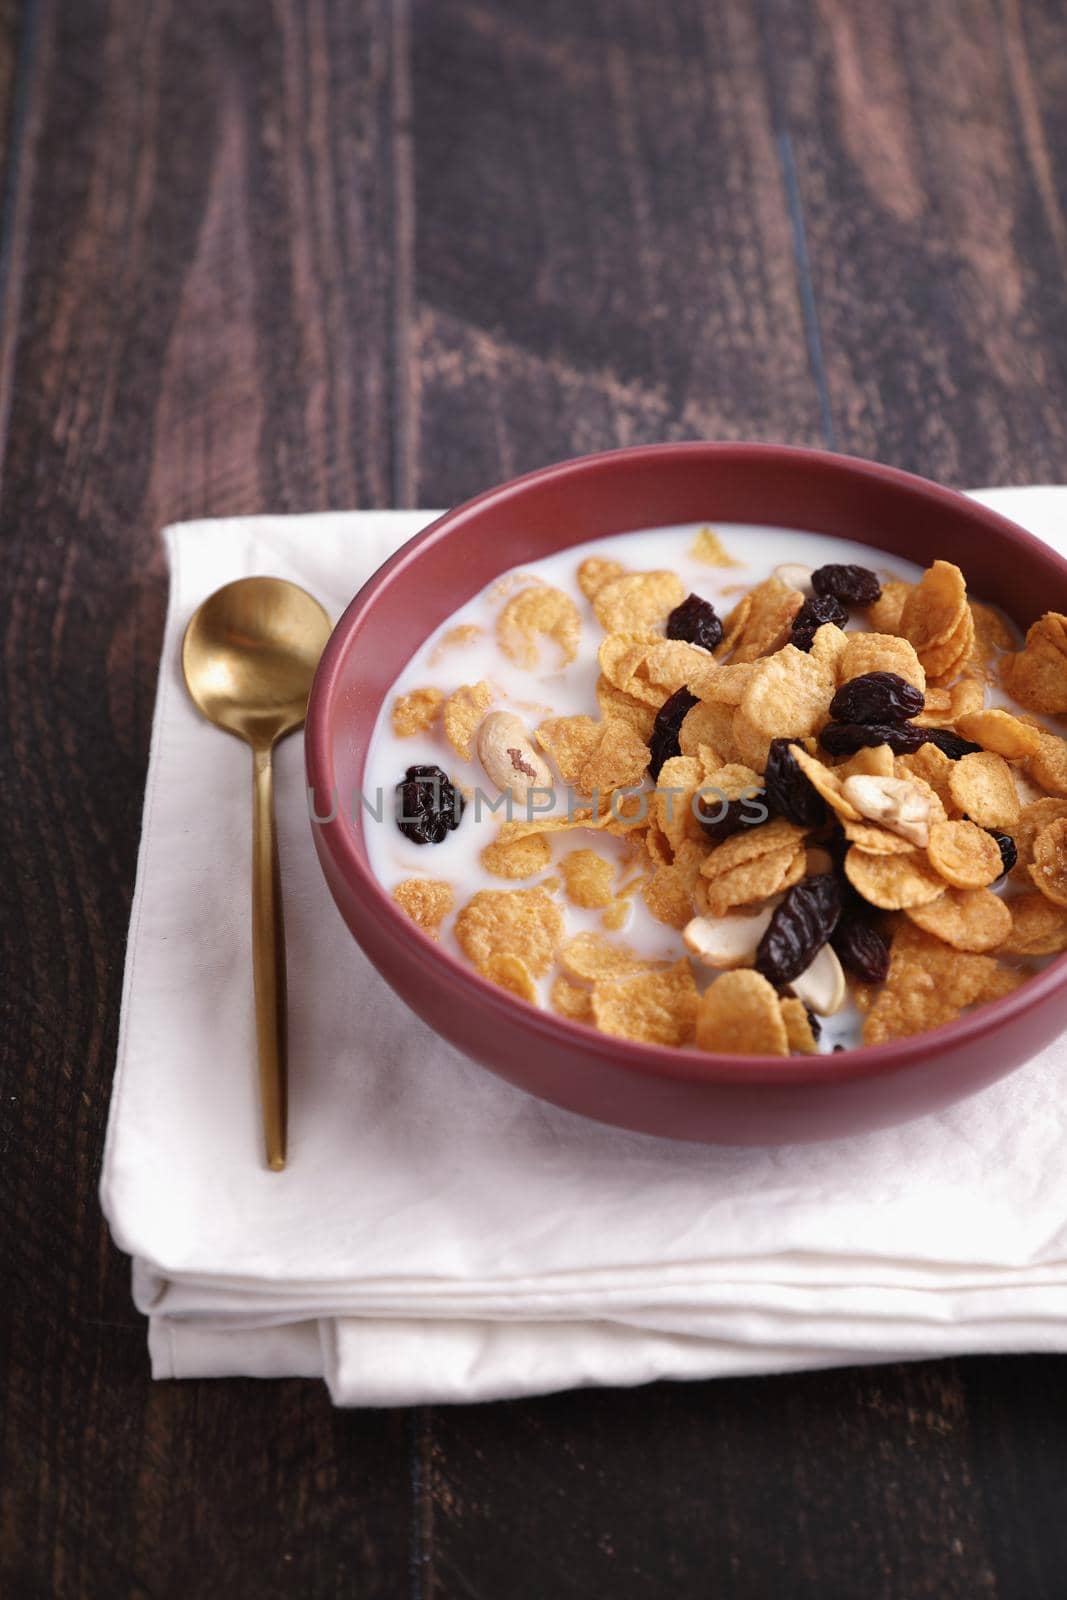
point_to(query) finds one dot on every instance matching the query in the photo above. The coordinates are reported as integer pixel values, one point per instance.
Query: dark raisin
(844, 738)
(427, 806)
(669, 718)
(695, 621)
(788, 791)
(814, 1024)
(855, 586)
(838, 1048)
(799, 928)
(719, 817)
(953, 745)
(861, 948)
(877, 697)
(811, 617)
(1006, 845)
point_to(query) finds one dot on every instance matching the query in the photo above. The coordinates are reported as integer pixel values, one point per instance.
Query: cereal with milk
(744, 789)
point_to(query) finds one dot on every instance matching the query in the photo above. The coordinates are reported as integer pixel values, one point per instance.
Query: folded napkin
(441, 1236)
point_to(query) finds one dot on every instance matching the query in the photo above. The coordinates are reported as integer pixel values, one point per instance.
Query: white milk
(536, 695)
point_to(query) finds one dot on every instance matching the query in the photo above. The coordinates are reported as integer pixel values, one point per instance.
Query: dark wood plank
(931, 171)
(605, 254)
(204, 236)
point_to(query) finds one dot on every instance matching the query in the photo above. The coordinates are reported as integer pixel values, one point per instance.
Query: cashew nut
(725, 942)
(822, 986)
(506, 751)
(898, 804)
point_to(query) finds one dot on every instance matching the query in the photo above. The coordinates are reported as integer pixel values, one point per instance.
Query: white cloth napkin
(439, 1235)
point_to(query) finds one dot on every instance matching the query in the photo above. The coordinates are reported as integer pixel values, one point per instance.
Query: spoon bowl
(249, 657)
(250, 654)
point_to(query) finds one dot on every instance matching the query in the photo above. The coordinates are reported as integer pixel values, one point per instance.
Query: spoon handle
(268, 962)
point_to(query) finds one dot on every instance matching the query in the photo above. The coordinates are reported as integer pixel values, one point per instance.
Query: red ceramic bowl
(683, 1094)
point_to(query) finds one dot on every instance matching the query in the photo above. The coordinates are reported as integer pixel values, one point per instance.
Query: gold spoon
(249, 656)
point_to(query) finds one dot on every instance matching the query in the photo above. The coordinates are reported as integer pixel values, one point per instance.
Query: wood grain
(360, 252)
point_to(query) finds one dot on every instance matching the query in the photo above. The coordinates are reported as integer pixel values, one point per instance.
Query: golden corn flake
(798, 1029)
(829, 645)
(463, 712)
(879, 652)
(875, 839)
(944, 662)
(869, 761)
(740, 1015)
(590, 957)
(982, 786)
(1049, 866)
(652, 1008)
(992, 634)
(710, 727)
(722, 685)
(964, 855)
(588, 879)
(893, 882)
(620, 655)
(930, 764)
(709, 548)
(617, 915)
(519, 922)
(932, 610)
(826, 782)
(617, 760)
(966, 919)
(637, 600)
(667, 665)
(1031, 821)
(679, 779)
(427, 902)
(733, 626)
(614, 703)
(1048, 767)
(594, 573)
(788, 695)
(517, 858)
(570, 1000)
(965, 697)
(751, 882)
(570, 741)
(512, 974)
(535, 613)
(416, 711)
(1037, 675)
(770, 616)
(1000, 732)
(1038, 926)
(750, 843)
(457, 638)
(930, 983)
(884, 615)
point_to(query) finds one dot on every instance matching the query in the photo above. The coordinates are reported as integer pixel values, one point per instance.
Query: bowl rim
(678, 1064)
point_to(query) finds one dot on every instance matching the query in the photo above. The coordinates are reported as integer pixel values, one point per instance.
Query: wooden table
(282, 256)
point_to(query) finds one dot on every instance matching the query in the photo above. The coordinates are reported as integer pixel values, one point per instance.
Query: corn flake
(879, 652)
(463, 711)
(798, 1029)
(570, 1000)
(637, 600)
(519, 922)
(588, 879)
(512, 974)
(1001, 733)
(884, 615)
(594, 573)
(966, 919)
(1049, 866)
(615, 703)
(709, 548)
(966, 856)
(740, 1015)
(416, 711)
(517, 858)
(893, 882)
(769, 618)
(1037, 675)
(652, 1007)
(427, 902)
(1048, 767)
(535, 613)
(1038, 926)
(1031, 821)
(590, 957)
(983, 788)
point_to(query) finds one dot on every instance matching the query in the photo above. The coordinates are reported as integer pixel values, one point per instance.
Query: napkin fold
(440, 1236)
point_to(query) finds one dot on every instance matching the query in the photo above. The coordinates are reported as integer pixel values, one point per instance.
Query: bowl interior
(623, 491)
